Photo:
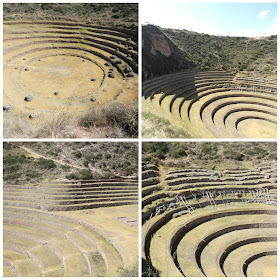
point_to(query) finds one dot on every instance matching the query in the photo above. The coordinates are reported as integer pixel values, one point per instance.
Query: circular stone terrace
(206, 223)
(214, 104)
(65, 66)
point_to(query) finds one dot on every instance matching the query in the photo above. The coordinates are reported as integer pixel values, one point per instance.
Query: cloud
(272, 30)
(167, 17)
(263, 14)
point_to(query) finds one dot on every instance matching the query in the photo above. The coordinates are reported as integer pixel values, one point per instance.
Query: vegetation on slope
(203, 51)
(236, 154)
(114, 13)
(227, 53)
(37, 161)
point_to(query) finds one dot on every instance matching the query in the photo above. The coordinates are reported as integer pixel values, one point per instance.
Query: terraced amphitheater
(67, 69)
(199, 222)
(71, 228)
(214, 103)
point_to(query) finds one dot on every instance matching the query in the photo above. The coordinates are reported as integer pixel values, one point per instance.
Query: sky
(228, 19)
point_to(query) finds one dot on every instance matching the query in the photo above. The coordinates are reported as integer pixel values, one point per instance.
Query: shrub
(77, 154)
(85, 174)
(72, 176)
(45, 163)
(107, 155)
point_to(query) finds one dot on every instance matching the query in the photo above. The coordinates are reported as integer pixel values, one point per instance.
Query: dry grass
(115, 120)
(122, 119)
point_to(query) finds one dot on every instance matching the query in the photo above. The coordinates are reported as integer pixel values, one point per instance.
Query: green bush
(45, 163)
(107, 155)
(77, 154)
(85, 174)
(72, 176)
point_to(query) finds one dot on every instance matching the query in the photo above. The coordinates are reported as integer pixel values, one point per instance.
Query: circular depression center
(257, 128)
(68, 75)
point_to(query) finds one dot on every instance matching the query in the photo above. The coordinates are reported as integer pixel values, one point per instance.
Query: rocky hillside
(210, 154)
(113, 14)
(171, 50)
(33, 162)
(160, 54)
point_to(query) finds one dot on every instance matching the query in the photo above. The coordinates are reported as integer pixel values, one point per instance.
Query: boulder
(127, 69)
(111, 75)
(33, 115)
(56, 93)
(28, 98)
(93, 99)
(8, 108)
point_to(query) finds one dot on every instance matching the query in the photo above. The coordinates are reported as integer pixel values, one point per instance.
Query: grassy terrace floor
(199, 222)
(76, 243)
(209, 104)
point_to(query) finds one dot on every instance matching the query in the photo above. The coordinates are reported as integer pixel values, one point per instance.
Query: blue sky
(233, 19)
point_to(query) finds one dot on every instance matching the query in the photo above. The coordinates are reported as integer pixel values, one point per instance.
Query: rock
(28, 98)
(26, 69)
(111, 75)
(93, 79)
(128, 55)
(111, 69)
(113, 56)
(127, 69)
(8, 108)
(130, 48)
(33, 115)
(108, 64)
(119, 61)
(130, 74)
(216, 175)
(128, 39)
(93, 99)
(56, 93)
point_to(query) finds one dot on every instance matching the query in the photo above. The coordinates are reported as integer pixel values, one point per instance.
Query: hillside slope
(160, 54)
(203, 51)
